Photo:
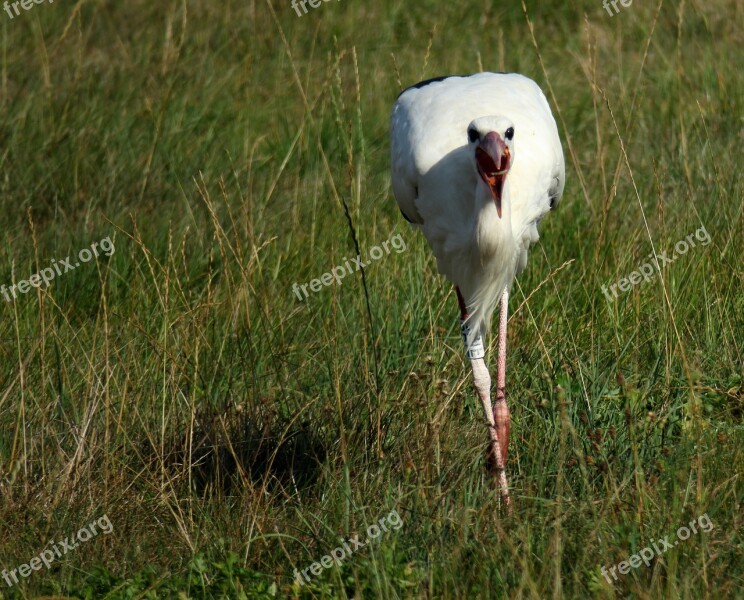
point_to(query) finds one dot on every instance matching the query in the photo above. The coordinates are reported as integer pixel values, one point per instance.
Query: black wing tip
(405, 216)
(425, 82)
(554, 194)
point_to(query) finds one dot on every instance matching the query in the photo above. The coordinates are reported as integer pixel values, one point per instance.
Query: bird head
(492, 142)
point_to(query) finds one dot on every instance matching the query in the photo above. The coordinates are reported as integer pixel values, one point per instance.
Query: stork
(476, 164)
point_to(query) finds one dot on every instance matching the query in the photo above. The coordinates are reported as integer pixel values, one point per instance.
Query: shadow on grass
(230, 448)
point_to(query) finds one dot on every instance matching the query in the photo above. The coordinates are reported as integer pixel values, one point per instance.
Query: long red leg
(500, 409)
(482, 381)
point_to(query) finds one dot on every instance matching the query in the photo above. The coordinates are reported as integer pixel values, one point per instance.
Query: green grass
(232, 433)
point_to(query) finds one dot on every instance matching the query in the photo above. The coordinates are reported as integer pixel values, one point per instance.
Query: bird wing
(403, 164)
(548, 173)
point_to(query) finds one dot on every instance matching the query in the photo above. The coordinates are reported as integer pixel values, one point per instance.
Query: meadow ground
(230, 433)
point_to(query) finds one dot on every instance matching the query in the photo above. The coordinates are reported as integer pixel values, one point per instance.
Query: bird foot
(499, 476)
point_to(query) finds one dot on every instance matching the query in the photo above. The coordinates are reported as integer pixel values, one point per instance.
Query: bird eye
(510, 133)
(473, 135)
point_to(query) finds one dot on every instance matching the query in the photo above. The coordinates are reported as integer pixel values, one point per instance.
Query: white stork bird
(476, 164)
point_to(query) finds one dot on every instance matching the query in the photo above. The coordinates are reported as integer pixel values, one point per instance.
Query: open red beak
(493, 158)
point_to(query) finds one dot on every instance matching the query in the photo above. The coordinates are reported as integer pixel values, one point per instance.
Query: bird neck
(493, 232)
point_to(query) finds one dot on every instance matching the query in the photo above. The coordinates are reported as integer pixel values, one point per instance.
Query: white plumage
(476, 164)
(438, 186)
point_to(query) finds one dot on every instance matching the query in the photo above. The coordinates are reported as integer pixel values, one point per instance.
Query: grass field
(232, 433)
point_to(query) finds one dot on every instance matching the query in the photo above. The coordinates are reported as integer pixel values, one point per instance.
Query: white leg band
(476, 348)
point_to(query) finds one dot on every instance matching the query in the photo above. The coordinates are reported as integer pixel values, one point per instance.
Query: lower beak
(493, 158)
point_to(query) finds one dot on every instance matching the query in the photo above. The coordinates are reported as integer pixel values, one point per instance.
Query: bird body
(476, 163)
(438, 189)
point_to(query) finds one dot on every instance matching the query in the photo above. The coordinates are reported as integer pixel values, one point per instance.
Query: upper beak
(493, 158)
